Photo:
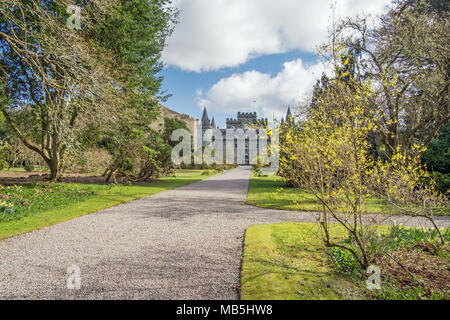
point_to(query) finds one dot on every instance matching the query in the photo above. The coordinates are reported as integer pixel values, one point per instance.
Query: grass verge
(40, 205)
(273, 193)
(287, 261)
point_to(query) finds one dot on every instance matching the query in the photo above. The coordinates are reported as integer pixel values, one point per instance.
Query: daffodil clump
(6, 208)
(5, 205)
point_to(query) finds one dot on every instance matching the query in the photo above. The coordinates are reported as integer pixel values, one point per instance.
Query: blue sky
(183, 85)
(225, 54)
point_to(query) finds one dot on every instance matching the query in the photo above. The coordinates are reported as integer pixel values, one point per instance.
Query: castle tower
(206, 124)
(213, 123)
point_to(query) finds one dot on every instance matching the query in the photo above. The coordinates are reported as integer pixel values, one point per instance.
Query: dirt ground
(407, 264)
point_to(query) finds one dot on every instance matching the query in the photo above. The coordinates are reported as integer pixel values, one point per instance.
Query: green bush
(344, 261)
(28, 167)
(5, 154)
(437, 156)
(205, 166)
(442, 181)
(256, 170)
(3, 164)
(399, 236)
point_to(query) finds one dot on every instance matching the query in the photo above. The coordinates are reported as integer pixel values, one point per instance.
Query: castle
(245, 120)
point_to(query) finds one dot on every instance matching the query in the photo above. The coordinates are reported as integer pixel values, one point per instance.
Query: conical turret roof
(205, 115)
(205, 119)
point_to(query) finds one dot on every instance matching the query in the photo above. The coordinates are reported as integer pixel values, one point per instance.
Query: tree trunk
(54, 173)
(112, 175)
(55, 169)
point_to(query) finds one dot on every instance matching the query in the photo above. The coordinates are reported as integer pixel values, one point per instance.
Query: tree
(405, 55)
(136, 33)
(140, 30)
(51, 78)
(437, 159)
(155, 158)
(437, 156)
(57, 82)
(170, 125)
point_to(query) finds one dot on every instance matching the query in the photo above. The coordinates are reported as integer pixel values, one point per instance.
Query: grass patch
(13, 169)
(287, 261)
(42, 204)
(266, 192)
(273, 193)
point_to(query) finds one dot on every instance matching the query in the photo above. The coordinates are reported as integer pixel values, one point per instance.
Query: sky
(249, 55)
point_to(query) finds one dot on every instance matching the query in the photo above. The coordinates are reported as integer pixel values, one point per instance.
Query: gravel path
(184, 243)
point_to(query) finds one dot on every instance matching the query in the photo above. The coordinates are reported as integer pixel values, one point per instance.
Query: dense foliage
(64, 90)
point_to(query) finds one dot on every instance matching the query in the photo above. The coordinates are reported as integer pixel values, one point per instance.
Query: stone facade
(244, 120)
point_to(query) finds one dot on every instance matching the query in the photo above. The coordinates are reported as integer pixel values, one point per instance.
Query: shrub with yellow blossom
(328, 157)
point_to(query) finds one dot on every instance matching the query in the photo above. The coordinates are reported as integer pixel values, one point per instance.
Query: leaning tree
(53, 79)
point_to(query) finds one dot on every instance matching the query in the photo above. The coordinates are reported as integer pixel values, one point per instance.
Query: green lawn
(21, 169)
(40, 205)
(13, 170)
(287, 261)
(271, 192)
(265, 192)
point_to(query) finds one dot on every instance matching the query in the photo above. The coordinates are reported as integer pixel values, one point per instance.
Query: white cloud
(253, 89)
(213, 34)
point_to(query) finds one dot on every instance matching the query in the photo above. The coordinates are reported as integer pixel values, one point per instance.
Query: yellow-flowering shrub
(328, 157)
